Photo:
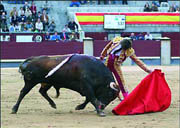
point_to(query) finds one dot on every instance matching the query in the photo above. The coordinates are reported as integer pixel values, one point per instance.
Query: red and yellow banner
(131, 18)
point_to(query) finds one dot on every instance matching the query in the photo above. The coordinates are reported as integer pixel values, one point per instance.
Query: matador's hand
(150, 71)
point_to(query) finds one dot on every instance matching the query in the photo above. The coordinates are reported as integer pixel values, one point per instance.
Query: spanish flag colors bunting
(131, 18)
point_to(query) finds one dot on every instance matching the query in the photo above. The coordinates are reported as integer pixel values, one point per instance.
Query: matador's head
(126, 44)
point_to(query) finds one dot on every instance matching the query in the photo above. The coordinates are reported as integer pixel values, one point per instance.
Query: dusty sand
(35, 112)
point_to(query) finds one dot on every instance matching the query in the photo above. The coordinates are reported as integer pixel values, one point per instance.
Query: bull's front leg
(23, 92)
(43, 90)
(83, 105)
(90, 96)
(98, 105)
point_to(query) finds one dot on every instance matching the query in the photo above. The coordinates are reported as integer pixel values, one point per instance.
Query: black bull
(84, 74)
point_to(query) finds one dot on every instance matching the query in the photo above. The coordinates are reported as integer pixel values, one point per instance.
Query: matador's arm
(104, 51)
(140, 63)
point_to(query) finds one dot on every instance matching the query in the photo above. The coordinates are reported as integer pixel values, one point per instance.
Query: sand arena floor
(35, 112)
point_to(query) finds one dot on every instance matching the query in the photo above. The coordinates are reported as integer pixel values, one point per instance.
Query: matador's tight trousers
(111, 63)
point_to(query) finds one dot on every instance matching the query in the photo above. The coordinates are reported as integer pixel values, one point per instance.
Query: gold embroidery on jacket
(125, 54)
(113, 44)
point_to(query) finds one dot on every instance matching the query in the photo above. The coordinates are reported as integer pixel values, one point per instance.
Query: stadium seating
(62, 13)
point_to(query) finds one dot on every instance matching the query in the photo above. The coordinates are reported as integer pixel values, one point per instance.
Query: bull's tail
(22, 67)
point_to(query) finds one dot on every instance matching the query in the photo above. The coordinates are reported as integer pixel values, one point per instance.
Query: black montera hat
(126, 43)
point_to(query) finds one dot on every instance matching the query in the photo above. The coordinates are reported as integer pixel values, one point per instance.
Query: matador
(116, 52)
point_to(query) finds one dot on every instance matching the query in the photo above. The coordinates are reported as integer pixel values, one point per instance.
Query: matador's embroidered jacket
(123, 54)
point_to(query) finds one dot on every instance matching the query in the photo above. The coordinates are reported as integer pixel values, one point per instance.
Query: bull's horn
(112, 84)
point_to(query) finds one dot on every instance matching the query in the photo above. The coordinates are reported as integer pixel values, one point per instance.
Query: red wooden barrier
(142, 48)
(13, 50)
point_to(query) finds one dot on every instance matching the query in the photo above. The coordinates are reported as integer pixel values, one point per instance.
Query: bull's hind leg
(43, 90)
(27, 87)
(57, 92)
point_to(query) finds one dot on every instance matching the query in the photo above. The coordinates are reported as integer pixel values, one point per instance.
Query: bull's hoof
(13, 111)
(79, 107)
(53, 106)
(101, 114)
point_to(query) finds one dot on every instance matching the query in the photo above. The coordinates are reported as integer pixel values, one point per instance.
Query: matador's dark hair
(125, 43)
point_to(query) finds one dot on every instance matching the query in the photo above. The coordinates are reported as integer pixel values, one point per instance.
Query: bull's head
(106, 94)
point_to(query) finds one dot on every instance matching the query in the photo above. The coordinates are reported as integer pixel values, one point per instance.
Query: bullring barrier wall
(151, 49)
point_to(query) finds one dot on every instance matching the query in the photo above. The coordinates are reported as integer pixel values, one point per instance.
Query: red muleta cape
(151, 95)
